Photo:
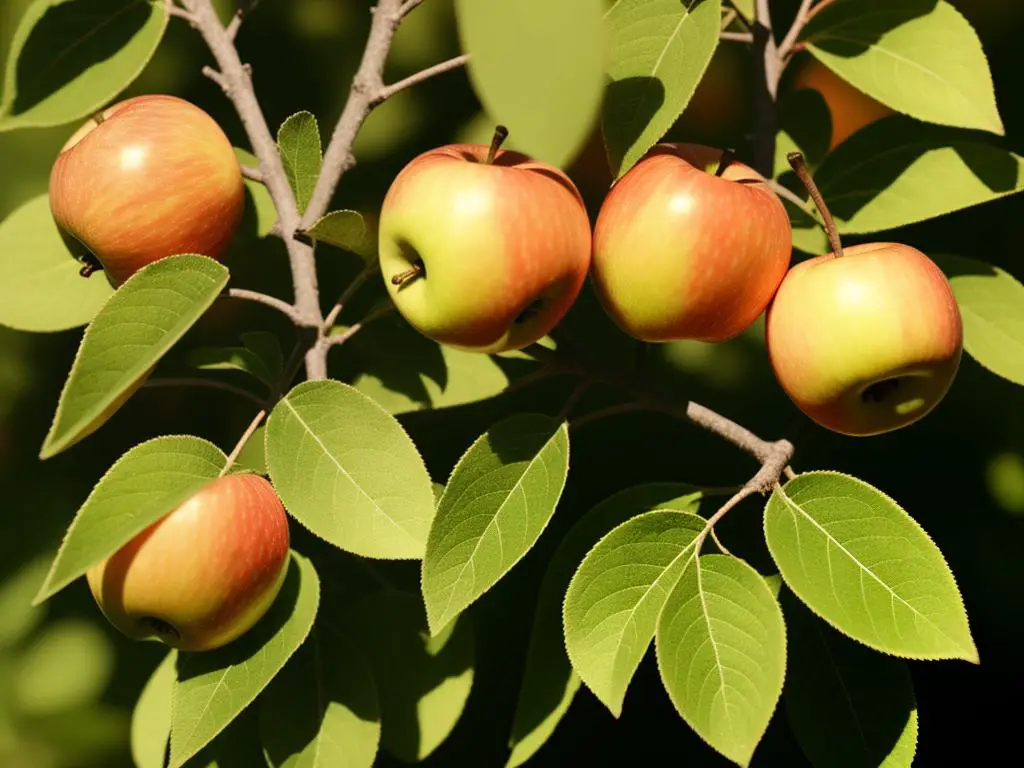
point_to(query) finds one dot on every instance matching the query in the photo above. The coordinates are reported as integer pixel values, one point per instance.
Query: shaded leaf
(515, 48)
(498, 500)
(135, 328)
(859, 561)
(346, 230)
(321, 711)
(69, 58)
(259, 199)
(613, 602)
(231, 359)
(848, 706)
(348, 471)
(659, 52)
(919, 57)
(549, 681)
(422, 682)
(146, 483)
(41, 289)
(214, 687)
(253, 457)
(298, 140)
(151, 718)
(265, 345)
(991, 304)
(721, 648)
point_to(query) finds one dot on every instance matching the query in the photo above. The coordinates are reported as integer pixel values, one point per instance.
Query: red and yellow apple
(683, 253)
(866, 342)
(202, 575)
(153, 176)
(498, 250)
(850, 108)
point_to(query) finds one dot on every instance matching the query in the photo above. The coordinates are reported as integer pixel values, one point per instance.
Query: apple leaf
(151, 718)
(41, 289)
(897, 172)
(423, 682)
(346, 230)
(515, 47)
(991, 304)
(919, 57)
(146, 483)
(253, 457)
(260, 357)
(298, 140)
(215, 686)
(613, 602)
(847, 705)
(348, 471)
(497, 502)
(859, 561)
(659, 52)
(425, 375)
(69, 58)
(137, 326)
(321, 711)
(260, 203)
(549, 681)
(721, 647)
(234, 747)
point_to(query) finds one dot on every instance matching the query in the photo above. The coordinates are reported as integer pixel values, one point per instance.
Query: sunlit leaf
(298, 141)
(151, 718)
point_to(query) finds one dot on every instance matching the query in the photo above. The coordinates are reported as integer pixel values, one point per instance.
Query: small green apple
(689, 245)
(483, 249)
(202, 575)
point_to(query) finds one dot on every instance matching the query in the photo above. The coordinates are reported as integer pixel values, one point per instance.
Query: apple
(151, 176)
(867, 339)
(202, 575)
(689, 245)
(483, 249)
(850, 108)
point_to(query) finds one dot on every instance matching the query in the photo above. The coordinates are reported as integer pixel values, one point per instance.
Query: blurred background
(68, 682)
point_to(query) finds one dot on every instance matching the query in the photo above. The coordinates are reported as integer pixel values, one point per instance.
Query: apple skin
(881, 312)
(850, 108)
(210, 569)
(680, 253)
(157, 177)
(505, 246)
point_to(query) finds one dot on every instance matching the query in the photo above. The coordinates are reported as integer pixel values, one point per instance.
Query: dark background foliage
(960, 472)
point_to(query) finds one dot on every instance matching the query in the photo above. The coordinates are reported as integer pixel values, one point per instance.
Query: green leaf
(896, 172)
(859, 561)
(215, 686)
(265, 345)
(321, 711)
(424, 375)
(498, 500)
(848, 706)
(231, 359)
(919, 57)
(659, 51)
(549, 681)
(261, 203)
(721, 648)
(515, 50)
(298, 140)
(69, 58)
(234, 747)
(745, 7)
(151, 718)
(422, 682)
(348, 471)
(253, 457)
(613, 602)
(346, 230)
(991, 304)
(41, 289)
(146, 483)
(134, 329)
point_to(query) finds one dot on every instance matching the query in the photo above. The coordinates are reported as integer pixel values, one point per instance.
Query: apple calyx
(799, 166)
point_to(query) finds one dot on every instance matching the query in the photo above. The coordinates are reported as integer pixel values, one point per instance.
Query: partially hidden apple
(689, 244)
(150, 177)
(202, 575)
(866, 339)
(483, 249)
(849, 108)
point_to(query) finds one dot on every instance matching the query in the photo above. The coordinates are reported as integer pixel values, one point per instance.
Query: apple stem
(799, 166)
(728, 156)
(500, 134)
(89, 264)
(410, 274)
